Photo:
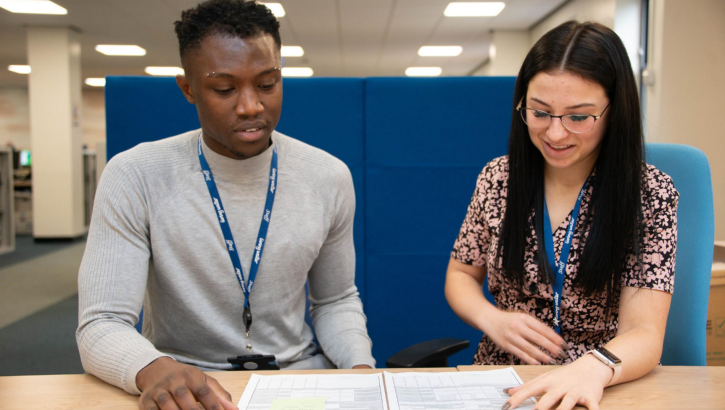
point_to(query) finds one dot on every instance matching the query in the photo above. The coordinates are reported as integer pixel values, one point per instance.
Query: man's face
(236, 85)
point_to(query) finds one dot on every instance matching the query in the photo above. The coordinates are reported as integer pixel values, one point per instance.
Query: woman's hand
(581, 382)
(521, 335)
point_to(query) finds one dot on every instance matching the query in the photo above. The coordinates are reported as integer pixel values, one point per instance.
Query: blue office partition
(426, 141)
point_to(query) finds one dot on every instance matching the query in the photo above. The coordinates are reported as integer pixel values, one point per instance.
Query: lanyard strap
(222, 217)
(560, 269)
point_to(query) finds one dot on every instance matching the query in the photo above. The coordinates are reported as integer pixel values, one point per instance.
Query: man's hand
(168, 384)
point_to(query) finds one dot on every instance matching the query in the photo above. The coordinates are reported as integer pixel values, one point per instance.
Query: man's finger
(224, 397)
(162, 400)
(204, 393)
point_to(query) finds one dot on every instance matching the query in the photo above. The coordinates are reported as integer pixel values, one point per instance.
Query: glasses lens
(578, 123)
(535, 118)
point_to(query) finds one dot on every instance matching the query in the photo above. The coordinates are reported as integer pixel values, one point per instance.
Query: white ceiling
(358, 38)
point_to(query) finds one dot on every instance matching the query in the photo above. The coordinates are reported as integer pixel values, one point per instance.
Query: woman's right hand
(521, 335)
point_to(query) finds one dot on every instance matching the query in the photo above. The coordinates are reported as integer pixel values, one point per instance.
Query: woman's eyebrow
(540, 102)
(580, 106)
(586, 104)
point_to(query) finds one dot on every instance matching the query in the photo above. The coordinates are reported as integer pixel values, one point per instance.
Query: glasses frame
(560, 117)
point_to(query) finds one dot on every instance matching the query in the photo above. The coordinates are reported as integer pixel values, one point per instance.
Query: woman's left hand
(581, 382)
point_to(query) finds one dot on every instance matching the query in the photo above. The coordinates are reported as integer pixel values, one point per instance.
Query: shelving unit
(7, 201)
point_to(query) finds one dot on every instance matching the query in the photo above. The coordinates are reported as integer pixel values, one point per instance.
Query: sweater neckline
(225, 168)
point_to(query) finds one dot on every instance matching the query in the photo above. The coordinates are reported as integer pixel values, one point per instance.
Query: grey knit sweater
(155, 241)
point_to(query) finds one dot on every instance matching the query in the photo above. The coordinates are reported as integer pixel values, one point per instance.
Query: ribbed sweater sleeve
(336, 309)
(112, 280)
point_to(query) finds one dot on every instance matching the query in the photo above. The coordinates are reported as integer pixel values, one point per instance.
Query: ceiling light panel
(292, 51)
(423, 71)
(276, 8)
(164, 71)
(474, 9)
(32, 7)
(20, 69)
(440, 51)
(96, 82)
(297, 72)
(120, 50)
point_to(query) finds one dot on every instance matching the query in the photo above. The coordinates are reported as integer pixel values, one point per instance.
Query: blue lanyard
(229, 239)
(560, 269)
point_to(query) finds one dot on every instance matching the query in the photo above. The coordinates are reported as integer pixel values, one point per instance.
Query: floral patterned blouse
(583, 325)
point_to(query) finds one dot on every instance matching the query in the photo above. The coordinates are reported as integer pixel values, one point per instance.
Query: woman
(575, 173)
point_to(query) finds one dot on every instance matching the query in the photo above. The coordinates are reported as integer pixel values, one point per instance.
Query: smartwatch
(612, 361)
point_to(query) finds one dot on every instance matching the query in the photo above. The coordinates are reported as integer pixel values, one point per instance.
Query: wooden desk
(82, 391)
(665, 388)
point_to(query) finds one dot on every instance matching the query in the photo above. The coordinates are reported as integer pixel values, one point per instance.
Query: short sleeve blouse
(584, 324)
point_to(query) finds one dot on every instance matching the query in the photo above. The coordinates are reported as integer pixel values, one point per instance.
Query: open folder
(482, 390)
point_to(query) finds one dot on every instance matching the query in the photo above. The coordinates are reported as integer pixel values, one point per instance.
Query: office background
(684, 56)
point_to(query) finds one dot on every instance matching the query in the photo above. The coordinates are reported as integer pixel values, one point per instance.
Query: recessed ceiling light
(474, 9)
(96, 82)
(276, 8)
(120, 50)
(20, 69)
(423, 71)
(440, 51)
(167, 71)
(32, 7)
(292, 51)
(297, 72)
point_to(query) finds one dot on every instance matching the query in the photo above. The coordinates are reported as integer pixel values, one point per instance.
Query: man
(206, 209)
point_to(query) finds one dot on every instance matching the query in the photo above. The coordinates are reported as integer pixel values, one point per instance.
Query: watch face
(609, 356)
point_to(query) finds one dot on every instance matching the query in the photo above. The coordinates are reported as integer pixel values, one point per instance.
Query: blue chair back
(690, 172)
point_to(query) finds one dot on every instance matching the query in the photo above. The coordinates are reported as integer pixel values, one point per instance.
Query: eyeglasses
(576, 123)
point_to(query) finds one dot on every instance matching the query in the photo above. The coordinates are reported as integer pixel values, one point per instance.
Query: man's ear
(185, 87)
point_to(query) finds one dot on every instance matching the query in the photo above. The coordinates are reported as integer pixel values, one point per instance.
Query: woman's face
(564, 93)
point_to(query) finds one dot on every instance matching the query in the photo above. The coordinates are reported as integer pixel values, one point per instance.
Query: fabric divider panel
(406, 305)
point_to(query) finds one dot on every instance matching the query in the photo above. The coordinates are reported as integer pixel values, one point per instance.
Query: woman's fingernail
(565, 346)
(506, 390)
(562, 355)
(551, 362)
(506, 406)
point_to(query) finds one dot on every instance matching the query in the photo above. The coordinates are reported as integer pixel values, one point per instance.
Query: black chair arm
(431, 353)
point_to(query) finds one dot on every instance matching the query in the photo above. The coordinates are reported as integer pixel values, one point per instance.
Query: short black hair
(235, 18)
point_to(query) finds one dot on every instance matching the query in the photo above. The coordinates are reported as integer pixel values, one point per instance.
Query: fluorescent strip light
(276, 9)
(167, 71)
(440, 51)
(292, 51)
(118, 50)
(297, 72)
(96, 82)
(20, 69)
(423, 71)
(32, 7)
(477, 9)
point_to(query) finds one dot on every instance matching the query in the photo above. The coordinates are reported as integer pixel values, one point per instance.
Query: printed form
(452, 391)
(341, 391)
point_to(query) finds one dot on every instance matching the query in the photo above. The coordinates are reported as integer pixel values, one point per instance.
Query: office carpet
(42, 343)
(26, 248)
(32, 285)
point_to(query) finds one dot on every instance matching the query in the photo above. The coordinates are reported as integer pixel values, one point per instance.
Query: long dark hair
(595, 53)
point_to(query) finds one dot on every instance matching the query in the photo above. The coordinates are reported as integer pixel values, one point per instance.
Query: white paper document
(452, 391)
(341, 391)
